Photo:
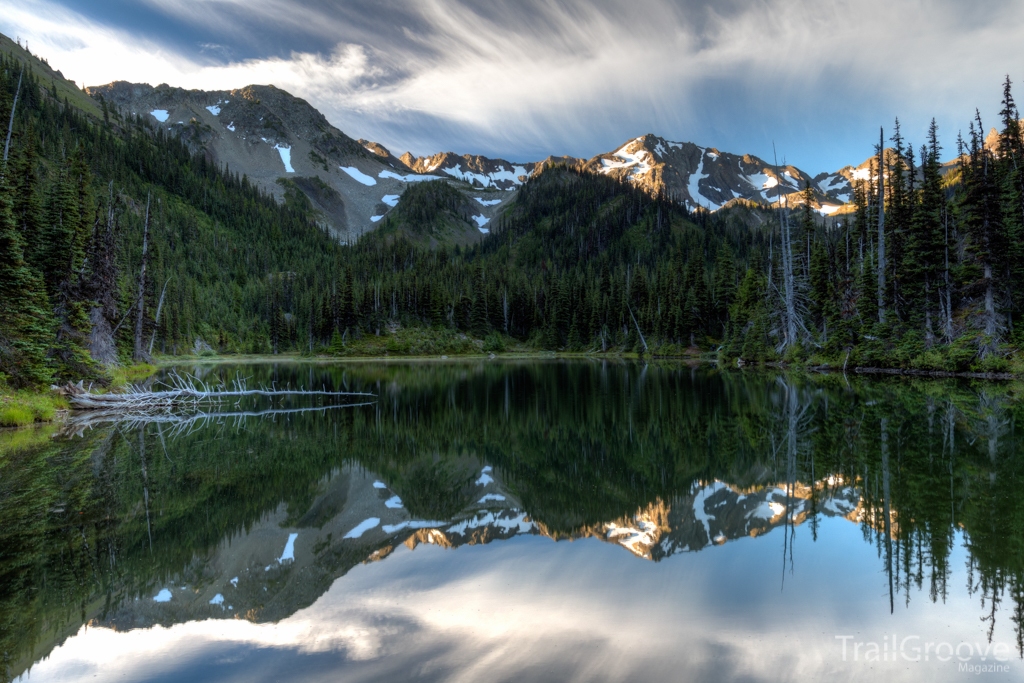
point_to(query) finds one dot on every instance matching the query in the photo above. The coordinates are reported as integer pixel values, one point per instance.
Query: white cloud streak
(580, 77)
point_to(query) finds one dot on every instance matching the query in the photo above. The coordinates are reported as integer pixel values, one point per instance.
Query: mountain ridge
(268, 134)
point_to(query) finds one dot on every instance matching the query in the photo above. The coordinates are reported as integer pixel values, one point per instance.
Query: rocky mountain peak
(704, 177)
(274, 137)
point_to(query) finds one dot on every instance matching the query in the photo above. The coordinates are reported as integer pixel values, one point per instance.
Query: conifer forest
(116, 243)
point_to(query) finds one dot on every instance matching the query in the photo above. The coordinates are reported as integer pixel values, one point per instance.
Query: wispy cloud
(535, 77)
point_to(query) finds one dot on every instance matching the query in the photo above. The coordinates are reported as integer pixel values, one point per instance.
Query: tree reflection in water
(659, 458)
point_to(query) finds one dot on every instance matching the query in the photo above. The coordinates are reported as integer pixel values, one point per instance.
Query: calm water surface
(524, 521)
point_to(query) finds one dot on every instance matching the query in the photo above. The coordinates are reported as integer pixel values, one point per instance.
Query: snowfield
(286, 157)
(358, 176)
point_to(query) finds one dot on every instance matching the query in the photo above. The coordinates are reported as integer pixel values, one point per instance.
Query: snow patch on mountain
(289, 549)
(407, 178)
(363, 527)
(831, 182)
(286, 157)
(412, 524)
(635, 539)
(492, 179)
(214, 109)
(497, 497)
(487, 202)
(485, 477)
(358, 175)
(160, 115)
(693, 187)
(390, 199)
(699, 503)
(518, 523)
(638, 161)
(766, 510)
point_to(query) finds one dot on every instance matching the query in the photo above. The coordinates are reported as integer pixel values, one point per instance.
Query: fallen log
(78, 422)
(182, 392)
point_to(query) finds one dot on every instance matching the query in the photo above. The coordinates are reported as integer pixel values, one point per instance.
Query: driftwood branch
(182, 392)
(181, 423)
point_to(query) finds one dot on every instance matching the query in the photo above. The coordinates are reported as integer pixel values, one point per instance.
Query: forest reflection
(659, 458)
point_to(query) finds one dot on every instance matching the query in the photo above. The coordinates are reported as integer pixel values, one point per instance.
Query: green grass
(21, 408)
(419, 341)
(121, 375)
(49, 78)
(15, 440)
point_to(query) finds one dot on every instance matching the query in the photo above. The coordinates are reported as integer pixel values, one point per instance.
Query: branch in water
(183, 393)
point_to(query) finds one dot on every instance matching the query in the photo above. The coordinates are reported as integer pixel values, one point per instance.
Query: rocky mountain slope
(270, 135)
(704, 177)
(277, 567)
(275, 138)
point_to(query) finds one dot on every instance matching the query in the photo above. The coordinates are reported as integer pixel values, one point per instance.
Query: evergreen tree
(926, 278)
(26, 326)
(724, 286)
(479, 324)
(985, 248)
(1010, 179)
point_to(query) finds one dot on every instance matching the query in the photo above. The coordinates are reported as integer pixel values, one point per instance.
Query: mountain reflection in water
(736, 523)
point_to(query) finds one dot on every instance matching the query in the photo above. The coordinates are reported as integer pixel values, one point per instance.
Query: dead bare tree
(179, 422)
(787, 282)
(793, 308)
(641, 334)
(181, 392)
(156, 320)
(10, 125)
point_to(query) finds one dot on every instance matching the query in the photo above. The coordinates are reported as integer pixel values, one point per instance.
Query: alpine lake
(523, 520)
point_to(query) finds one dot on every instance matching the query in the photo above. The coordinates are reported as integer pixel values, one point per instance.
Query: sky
(810, 81)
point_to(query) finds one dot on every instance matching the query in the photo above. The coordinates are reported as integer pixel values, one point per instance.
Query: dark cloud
(528, 78)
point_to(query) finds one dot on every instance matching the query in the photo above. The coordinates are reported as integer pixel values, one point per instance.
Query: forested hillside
(927, 273)
(76, 194)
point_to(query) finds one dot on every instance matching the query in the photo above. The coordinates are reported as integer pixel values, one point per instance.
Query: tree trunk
(156, 320)
(10, 126)
(990, 303)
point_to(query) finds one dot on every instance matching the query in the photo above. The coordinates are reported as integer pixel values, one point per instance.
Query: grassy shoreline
(25, 407)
